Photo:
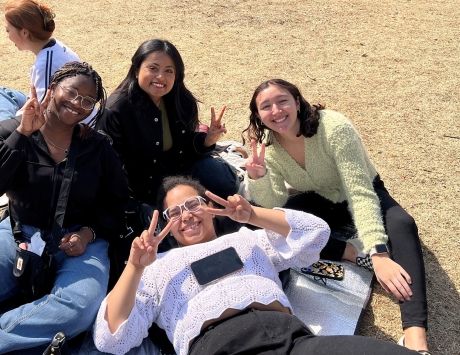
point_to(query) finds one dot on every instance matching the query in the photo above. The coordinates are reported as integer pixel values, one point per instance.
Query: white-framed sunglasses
(191, 204)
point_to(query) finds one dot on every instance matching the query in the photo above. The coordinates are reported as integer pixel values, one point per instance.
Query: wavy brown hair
(308, 114)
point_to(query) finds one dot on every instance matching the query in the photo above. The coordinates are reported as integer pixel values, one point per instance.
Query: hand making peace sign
(255, 164)
(216, 129)
(144, 248)
(236, 207)
(33, 116)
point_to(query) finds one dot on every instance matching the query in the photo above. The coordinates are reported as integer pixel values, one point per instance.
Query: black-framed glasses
(191, 204)
(70, 94)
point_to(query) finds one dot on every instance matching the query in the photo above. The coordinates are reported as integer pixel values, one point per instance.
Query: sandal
(423, 352)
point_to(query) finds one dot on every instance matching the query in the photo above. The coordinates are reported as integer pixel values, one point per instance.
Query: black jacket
(135, 127)
(31, 180)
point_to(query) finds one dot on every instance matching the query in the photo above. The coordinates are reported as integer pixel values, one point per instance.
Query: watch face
(381, 248)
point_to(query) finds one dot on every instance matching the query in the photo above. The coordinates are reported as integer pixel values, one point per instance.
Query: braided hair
(72, 69)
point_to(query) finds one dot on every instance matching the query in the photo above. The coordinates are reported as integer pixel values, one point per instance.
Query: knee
(79, 305)
(399, 219)
(217, 176)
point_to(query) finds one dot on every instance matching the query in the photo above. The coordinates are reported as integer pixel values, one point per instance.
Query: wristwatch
(379, 249)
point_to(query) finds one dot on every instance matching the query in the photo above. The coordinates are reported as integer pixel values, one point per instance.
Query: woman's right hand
(33, 115)
(144, 248)
(255, 164)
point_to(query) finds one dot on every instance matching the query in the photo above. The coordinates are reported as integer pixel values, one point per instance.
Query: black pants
(404, 242)
(275, 333)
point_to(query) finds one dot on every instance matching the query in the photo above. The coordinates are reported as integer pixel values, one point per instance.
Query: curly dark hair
(72, 69)
(170, 182)
(308, 114)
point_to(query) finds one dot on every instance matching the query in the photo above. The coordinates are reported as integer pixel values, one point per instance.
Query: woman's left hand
(393, 278)
(74, 244)
(236, 207)
(216, 129)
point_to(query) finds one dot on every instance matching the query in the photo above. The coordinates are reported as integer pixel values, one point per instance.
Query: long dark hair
(179, 98)
(308, 115)
(72, 69)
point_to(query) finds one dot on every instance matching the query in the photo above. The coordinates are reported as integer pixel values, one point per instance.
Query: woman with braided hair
(30, 25)
(34, 156)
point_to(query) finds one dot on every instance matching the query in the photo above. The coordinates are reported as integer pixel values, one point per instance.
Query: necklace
(49, 141)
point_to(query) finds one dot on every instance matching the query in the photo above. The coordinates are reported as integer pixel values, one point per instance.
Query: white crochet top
(169, 295)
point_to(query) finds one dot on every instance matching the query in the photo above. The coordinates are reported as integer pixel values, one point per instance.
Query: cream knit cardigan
(337, 167)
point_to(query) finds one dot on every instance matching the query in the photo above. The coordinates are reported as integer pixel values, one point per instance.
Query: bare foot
(415, 338)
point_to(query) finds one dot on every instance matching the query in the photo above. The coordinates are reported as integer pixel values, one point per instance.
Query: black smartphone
(325, 269)
(217, 265)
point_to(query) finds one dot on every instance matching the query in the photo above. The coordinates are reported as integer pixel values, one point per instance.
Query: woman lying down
(219, 295)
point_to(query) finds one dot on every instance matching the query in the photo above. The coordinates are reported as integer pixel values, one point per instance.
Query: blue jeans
(72, 305)
(10, 102)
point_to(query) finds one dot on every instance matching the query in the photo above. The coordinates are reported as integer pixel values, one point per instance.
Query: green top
(167, 137)
(337, 167)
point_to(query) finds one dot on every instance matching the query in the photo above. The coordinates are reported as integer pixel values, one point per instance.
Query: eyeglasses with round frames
(70, 94)
(192, 204)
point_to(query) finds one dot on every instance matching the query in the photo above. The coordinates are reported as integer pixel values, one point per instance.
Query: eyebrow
(280, 96)
(156, 64)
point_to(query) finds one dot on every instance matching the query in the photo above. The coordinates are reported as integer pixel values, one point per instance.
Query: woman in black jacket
(34, 156)
(152, 119)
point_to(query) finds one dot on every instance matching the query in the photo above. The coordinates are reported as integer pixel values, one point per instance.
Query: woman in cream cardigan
(319, 153)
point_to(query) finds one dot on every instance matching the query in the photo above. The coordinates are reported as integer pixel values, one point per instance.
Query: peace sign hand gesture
(216, 129)
(236, 207)
(33, 116)
(144, 248)
(255, 164)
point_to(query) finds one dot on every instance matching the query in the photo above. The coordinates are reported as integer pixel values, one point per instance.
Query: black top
(98, 193)
(135, 127)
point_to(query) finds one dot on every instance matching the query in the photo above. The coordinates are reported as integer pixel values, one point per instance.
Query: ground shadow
(443, 310)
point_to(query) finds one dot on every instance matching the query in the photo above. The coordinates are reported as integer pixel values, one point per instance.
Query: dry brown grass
(392, 66)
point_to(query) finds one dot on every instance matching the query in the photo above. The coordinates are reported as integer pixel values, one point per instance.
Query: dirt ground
(392, 66)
